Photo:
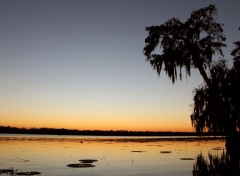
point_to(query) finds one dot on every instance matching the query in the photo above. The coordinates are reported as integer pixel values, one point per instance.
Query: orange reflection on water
(116, 156)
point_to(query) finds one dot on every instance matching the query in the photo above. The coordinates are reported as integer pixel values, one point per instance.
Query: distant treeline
(62, 131)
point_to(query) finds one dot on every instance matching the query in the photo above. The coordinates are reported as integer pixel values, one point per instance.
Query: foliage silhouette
(211, 108)
(192, 45)
(217, 107)
(189, 44)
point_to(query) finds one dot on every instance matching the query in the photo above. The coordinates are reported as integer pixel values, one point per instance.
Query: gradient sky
(79, 64)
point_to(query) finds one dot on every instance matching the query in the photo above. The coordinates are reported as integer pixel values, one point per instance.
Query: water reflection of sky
(50, 156)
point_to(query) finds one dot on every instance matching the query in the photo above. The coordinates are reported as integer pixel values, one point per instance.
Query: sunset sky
(79, 64)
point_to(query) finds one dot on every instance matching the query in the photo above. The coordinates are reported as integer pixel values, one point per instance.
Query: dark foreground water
(102, 156)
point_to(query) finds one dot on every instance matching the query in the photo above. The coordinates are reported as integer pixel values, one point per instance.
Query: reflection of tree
(225, 165)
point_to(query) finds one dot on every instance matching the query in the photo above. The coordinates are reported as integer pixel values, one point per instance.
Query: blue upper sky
(79, 63)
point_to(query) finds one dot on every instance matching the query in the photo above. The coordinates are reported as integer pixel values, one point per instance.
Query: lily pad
(217, 148)
(88, 161)
(7, 171)
(14, 172)
(80, 165)
(187, 159)
(28, 173)
(166, 152)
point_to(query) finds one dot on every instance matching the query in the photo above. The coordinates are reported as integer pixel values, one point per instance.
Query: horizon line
(64, 131)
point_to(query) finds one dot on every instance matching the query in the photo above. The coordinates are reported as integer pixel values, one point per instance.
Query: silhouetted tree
(192, 45)
(189, 44)
(217, 107)
(211, 106)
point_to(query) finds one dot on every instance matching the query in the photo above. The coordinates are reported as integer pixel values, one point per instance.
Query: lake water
(113, 156)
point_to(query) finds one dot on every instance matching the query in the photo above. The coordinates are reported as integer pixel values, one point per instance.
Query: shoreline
(82, 139)
(110, 133)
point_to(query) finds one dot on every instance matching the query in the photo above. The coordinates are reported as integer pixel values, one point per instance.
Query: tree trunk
(204, 75)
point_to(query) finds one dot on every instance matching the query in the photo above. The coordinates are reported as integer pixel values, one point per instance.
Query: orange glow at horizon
(134, 123)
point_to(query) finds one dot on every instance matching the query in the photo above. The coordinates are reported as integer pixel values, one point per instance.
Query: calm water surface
(116, 156)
